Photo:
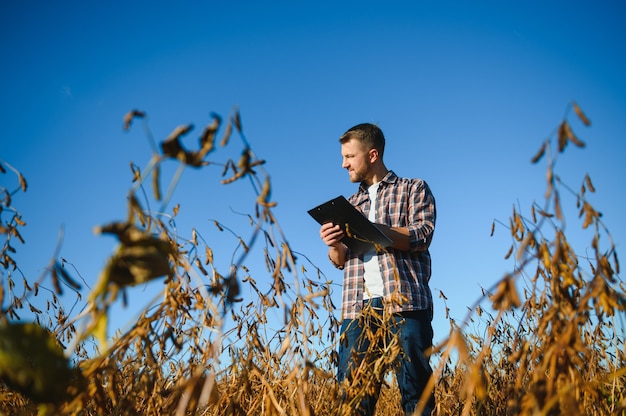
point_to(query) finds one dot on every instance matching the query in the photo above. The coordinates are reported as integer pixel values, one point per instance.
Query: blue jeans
(413, 368)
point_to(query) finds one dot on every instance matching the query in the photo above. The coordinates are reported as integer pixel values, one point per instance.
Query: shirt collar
(390, 177)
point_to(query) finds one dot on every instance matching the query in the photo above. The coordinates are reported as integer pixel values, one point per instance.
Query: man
(393, 283)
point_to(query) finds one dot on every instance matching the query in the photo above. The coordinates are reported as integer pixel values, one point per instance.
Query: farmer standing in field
(393, 282)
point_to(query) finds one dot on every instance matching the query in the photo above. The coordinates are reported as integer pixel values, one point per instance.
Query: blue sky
(465, 92)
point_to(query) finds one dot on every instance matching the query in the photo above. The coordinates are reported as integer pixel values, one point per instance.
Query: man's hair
(370, 135)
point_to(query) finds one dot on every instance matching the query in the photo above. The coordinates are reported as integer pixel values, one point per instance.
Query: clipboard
(363, 233)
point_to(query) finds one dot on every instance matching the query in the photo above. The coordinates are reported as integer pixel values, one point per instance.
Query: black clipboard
(361, 234)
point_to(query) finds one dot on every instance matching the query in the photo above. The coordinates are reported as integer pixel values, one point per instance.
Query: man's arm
(398, 235)
(421, 217)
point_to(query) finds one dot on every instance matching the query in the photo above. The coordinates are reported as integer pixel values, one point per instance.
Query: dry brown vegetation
(228, 343)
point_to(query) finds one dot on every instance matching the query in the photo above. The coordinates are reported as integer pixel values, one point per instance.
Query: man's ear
(373, 155)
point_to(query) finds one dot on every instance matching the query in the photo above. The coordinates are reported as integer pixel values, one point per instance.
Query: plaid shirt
(402, 202)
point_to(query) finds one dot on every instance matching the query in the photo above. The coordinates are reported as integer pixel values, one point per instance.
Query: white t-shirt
(373, 279)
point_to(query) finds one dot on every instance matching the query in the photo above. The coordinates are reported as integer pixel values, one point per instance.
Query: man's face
(357, 160)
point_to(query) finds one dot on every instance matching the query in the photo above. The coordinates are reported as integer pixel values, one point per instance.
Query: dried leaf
(539, 154)
(7, 198)
(590, 214)
(589, 184)
(264, 196)
(66, 277)
(208, 135)
(23, 183)
(55, 281)
(557, 206)
(140, 263)
(457, 340)
(171, 146)
(243, 244)
(33, 363)
(199, 266)
(128, 117)
(227, 133)
(237, 121)
(136, 172)
(209, 255)
(16, 234)
(506, 296)
(562, 136)
(572, 137)
(581, 115)
(550, 179)
(141, 256)
(99, 330)
(156, 183)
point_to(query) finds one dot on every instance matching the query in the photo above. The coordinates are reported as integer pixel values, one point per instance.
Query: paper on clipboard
(363, 233)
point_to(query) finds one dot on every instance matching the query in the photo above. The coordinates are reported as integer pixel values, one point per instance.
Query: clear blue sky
(465, 92)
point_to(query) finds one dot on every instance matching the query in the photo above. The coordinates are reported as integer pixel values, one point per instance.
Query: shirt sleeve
(422, 216)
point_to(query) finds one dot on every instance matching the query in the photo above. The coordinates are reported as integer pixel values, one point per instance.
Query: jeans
(412, 367)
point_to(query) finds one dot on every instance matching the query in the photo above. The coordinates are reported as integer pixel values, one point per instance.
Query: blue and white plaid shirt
(402, 202)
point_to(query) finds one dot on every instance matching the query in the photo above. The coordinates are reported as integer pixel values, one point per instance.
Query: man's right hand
(331, 234)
